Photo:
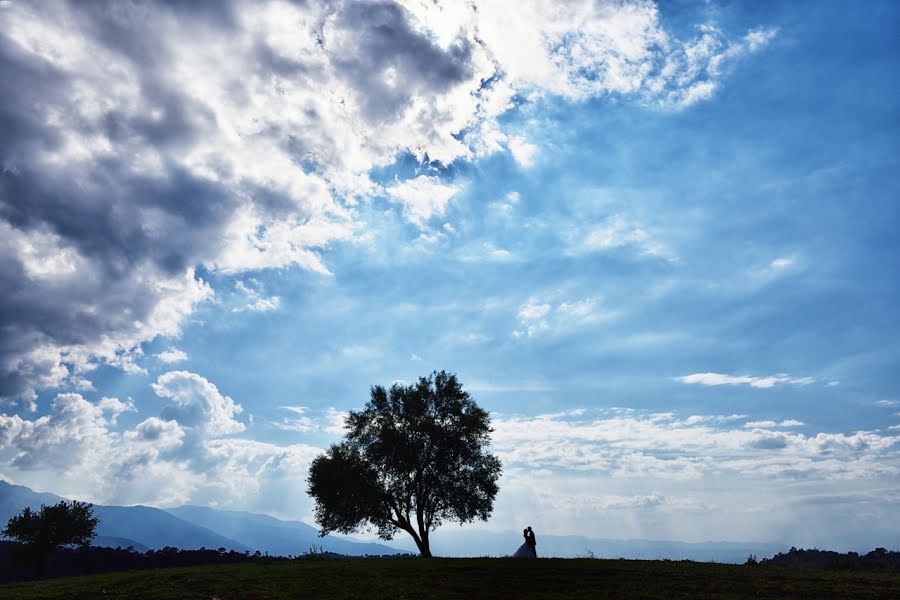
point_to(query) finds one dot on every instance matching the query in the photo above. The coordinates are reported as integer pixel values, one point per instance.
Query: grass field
(467, 578)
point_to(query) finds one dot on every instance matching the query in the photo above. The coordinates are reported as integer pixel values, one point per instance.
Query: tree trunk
(41, 563)
(424, 546)
(424, 550)
(421, 542)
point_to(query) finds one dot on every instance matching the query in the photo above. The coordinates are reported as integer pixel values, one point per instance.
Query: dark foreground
(468, 578)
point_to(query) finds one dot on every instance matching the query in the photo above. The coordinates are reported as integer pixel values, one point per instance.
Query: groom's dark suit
(531, 540)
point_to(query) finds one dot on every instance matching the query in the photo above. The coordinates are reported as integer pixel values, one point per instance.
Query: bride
(526, 550)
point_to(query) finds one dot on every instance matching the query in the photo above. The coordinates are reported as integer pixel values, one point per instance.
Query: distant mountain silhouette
(157, 529)
(193, 527)
(108, 541)
(268, 534)
(139, 526)
(13, 498)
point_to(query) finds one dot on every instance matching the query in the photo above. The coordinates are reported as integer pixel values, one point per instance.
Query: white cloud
(633, 445)
(533, 311)
(333, 422)
(768, 424)
(538, 317)
(255, 300)
(782, 263)
(197, 403)
(619, 231)
(76, 451)
(172, 355)
(423, 197)
(759, 38)
(768, 381)
(584, 49)
(74, 433)
(330, 420)
(299, 422)
(44, 254)
(115, 407)
(486, 252)
(523, 151)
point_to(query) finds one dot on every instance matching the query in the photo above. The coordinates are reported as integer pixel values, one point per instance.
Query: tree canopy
(414, 457)
(62, 524)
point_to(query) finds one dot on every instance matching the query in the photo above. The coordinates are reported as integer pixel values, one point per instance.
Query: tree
(42, 532)
(416, 456)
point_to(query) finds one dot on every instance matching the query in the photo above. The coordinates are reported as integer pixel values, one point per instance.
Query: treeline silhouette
(879, 559)
(16, 564)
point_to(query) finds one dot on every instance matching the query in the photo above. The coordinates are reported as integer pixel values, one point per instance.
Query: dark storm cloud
(131, 228)
(382, 39)
(25, 83)
(128, 28)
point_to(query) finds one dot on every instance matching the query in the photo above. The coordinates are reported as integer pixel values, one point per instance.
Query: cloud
(77, 451)
(152, 464)
(759, 38)
(768, 440)
(195, 402)
(163, 435)
(423, 198)
(74, 433)
(537, 317)
(768, 381)
(115, 407)
(331, 420)
(765, 424)
(172, 355)
(486, 252)
(781, 263)
(632, 444)
(619, 231)
(298, 422)
(256, 301)
(523, 151)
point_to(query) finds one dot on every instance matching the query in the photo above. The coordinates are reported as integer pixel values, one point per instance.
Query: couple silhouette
(529, 548)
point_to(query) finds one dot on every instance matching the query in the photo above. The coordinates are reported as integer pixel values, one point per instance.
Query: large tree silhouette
(42, 532)
(414, 457)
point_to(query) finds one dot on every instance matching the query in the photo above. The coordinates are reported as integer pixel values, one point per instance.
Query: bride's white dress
(525, 551)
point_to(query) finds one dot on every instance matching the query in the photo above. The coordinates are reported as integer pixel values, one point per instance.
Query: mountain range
(191, 527)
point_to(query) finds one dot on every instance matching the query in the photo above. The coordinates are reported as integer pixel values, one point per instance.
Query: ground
(467, 578)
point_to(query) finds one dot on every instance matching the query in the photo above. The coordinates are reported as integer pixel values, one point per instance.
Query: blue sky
(658, 243)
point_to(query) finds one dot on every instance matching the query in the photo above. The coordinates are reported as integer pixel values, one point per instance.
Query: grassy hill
(467, 578)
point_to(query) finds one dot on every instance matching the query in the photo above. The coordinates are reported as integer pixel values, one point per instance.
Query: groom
(530, 540)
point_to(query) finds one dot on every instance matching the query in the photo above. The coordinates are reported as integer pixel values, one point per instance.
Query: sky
(657, 242)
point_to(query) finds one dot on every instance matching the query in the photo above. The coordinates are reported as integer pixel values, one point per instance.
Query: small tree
(42, 532)
(414, 457)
